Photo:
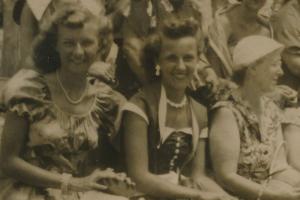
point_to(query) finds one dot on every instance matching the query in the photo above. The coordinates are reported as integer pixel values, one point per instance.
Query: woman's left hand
(102, 71)
(123, 185)
(205, 76)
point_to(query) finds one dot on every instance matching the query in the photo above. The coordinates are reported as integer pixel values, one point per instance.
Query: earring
(157, 70)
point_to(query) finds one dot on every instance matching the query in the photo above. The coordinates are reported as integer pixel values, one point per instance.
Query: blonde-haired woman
(246, 139)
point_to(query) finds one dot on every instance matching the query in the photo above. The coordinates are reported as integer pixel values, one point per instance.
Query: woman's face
(268, 71)
(254, 4)
(77, 47)
(177, 60)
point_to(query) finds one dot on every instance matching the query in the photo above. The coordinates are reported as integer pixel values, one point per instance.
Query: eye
(87, 42)
(189, 58)
(171, 58)
(68, 43)
(277, 63)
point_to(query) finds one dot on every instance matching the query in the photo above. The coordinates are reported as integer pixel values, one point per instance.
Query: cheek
(93, 51)
(191, 67)
(166, 66)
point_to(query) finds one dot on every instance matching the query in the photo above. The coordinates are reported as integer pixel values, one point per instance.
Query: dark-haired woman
(57, 119)
(164, 128)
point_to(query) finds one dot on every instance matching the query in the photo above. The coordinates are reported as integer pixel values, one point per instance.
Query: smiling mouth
(180, 76)
(78, 62)
(275, 80)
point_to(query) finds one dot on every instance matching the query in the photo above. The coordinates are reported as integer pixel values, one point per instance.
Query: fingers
(109, 177)
(97, 186)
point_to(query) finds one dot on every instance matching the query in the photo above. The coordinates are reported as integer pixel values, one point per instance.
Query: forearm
(245, 188)
(25, 172)
(154, 185)
(208, 184)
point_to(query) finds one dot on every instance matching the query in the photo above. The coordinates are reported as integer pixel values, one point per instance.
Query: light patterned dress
(262, 145)
(58, 141)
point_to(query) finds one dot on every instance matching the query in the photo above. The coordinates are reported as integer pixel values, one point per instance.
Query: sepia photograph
(149, 100)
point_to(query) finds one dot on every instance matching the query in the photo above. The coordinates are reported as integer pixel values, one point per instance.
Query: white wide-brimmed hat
(251, 49)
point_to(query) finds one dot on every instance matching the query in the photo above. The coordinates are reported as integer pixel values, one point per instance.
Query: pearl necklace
(69, 99)
(177, 105)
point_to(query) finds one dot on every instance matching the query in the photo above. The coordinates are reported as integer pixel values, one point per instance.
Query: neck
(174, 95)
(248, 15)
(251, 93)
(72, 81)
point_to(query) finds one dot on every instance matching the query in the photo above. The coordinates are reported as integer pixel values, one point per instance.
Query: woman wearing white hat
(254, 164)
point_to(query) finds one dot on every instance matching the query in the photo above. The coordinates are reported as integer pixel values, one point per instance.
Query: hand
(284, 96)
(287, 93)
(205, 76)
(93, 181)
(102, 71)
(122, 188)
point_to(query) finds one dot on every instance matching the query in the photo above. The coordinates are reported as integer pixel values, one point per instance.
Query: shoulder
(222, 108)
(24, 84)
(224, 121)
(26, 94)
(106, 97)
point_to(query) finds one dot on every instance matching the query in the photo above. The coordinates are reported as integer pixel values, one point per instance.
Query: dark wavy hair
(172, 29)
(45, 57)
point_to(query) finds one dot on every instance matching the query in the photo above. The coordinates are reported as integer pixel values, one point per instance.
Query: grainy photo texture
(149, 100)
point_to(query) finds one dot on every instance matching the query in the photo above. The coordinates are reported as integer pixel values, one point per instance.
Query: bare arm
(14, 137)
(199, 170)
(292, 138)
(137, 163)
(13, 142)
(225, 147)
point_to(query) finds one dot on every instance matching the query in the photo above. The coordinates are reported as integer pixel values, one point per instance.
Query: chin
(78, 70)
(180, 86)
(269, 89)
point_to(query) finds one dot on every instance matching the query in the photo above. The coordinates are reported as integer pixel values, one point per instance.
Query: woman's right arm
(136, 149)
(225, 148)
(14, 137)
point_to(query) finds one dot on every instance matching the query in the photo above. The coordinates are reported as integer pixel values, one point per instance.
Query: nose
(181, 65)
(78, 51)
(279, 70)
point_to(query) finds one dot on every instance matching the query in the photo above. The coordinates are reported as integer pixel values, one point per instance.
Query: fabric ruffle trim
(28, 95)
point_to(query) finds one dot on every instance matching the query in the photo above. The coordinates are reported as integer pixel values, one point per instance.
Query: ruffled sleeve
(107, 111)
(26, 95)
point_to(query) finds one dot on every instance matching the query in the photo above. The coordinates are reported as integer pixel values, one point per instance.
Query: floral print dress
(262, 146)
(58, 141)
